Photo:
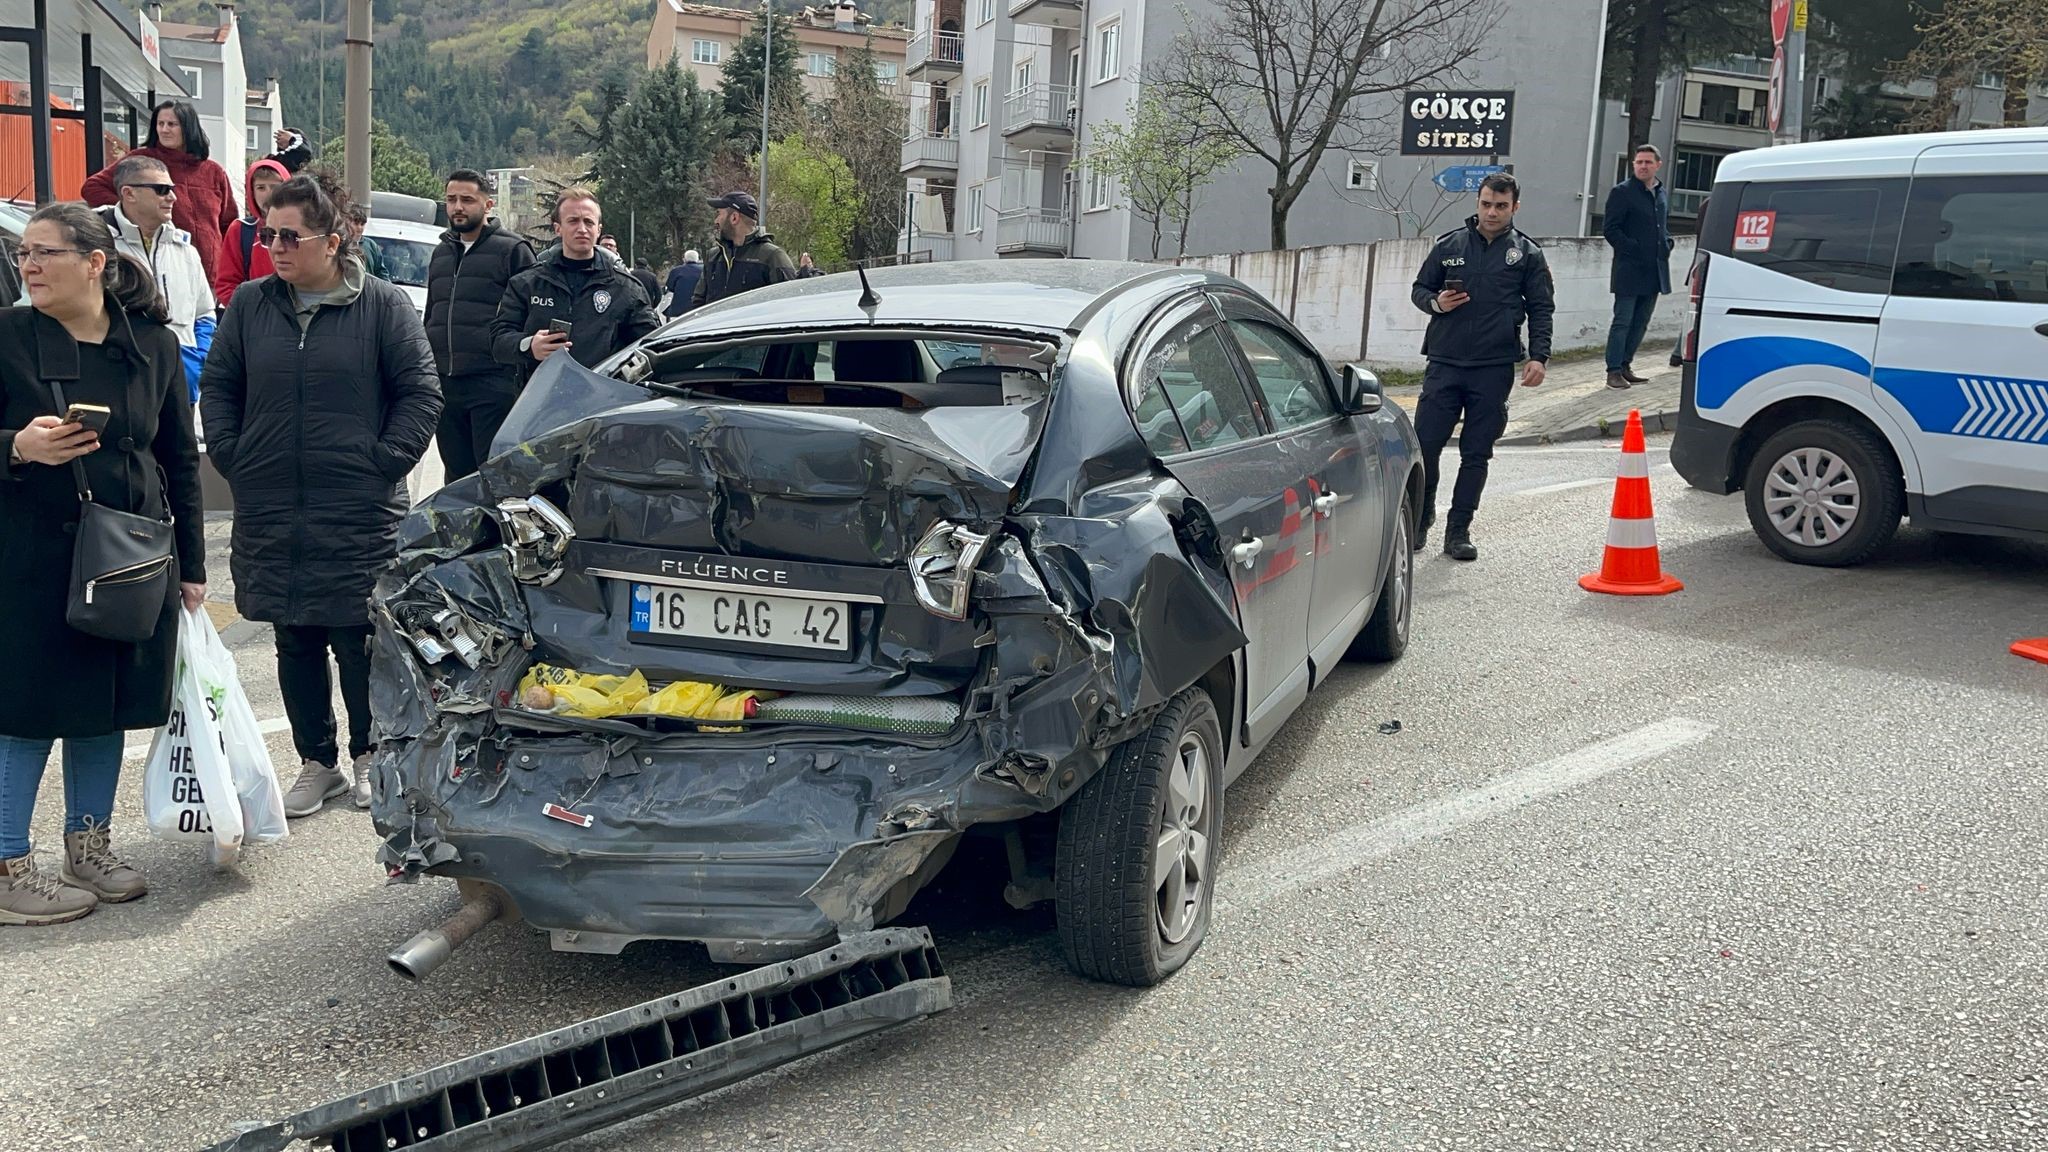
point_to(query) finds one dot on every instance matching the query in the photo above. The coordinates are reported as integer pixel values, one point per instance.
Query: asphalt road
(1760, 865)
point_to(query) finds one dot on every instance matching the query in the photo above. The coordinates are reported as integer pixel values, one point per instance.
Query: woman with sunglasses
(206, 195)
(318, 397)
(96, 326)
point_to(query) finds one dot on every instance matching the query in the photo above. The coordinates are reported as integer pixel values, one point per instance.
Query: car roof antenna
(869, 299)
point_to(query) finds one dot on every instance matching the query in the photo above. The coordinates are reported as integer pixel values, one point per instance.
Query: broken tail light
(537, 537)
(942, 568)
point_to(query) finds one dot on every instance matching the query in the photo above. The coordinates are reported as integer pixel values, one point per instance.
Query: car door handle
(2042, 327)
(1326, 504)
(1248, 551)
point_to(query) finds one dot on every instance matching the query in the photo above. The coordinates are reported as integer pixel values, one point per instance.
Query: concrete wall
(1352, 301)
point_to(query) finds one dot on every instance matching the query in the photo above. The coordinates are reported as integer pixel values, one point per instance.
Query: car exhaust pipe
(417, 958)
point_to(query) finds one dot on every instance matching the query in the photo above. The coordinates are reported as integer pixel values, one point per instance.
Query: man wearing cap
(746, 257)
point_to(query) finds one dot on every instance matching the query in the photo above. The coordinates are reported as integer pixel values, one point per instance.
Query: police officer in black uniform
(1478, 284)
(576, 284)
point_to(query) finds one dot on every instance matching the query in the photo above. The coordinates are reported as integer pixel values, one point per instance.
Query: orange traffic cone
(2036, 649)
(1630, 566)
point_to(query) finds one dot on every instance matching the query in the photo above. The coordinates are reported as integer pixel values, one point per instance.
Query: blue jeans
(91, 769)
(1631, 320)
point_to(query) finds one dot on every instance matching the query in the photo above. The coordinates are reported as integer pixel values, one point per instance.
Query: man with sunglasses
(140, 220)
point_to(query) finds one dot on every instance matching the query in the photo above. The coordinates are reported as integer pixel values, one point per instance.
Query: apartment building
(1005, 98)
(207, 59)
(702, 36)
(263, 115)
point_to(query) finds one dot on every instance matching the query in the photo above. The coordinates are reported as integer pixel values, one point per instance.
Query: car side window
(1192, 369)
(1297, 393)
(1838, 234)
(1975, 238)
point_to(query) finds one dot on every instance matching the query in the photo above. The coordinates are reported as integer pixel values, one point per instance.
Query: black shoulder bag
(120, 564)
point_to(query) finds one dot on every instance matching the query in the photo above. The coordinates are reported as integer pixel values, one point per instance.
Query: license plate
(741, 618)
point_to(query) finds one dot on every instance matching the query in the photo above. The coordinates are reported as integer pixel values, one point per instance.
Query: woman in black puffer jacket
(318, 397)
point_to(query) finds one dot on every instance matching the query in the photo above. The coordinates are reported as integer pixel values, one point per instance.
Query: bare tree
(1416, 205)
(1163, 157)
(1288, 80)
(1969, 38)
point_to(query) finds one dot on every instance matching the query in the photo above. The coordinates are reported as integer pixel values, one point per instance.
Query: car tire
(1115, 923)
(1824, 492)
(1385, 635)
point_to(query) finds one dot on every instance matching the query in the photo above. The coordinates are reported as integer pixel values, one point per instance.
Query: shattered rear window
(889, 371)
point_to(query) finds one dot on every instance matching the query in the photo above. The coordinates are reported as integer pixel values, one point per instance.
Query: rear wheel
(1385, 635)
(1824, 492)
(1134, 876)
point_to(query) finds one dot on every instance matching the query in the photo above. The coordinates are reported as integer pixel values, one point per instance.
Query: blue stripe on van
(1727, 368)
(1984, 407)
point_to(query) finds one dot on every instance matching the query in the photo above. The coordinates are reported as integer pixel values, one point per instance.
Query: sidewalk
(1575, 403)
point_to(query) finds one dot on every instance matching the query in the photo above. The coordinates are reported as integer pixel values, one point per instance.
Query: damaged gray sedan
(1039, 551)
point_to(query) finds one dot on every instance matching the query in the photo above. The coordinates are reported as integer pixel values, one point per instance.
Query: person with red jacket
(206, 197)
(241, 258)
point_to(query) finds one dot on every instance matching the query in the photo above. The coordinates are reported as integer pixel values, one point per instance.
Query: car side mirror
(1359, 390)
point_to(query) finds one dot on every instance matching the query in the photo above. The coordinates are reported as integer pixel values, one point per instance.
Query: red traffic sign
(1781, 21)
(1776, 106)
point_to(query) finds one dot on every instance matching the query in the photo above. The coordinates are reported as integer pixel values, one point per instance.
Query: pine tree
(740, 83)
(865, 126)
(653, 164)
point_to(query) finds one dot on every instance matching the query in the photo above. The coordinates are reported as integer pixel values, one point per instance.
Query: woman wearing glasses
(318, 397)
(96, 326)
(206, 195)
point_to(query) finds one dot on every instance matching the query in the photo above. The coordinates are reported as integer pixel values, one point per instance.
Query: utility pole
(767, 70)
(356, 104)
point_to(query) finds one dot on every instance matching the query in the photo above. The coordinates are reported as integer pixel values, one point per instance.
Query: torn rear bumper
(589, 1075)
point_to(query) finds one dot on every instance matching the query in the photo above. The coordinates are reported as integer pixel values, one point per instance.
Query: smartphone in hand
(93, 416)
(1454, 285)
(561, 326)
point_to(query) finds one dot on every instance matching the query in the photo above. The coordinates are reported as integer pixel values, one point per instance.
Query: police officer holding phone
(573, 299)
(1478, 285)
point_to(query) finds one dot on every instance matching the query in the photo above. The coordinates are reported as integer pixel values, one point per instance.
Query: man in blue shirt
(1635, 225)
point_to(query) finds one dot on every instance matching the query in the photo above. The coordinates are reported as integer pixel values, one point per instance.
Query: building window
(885, 71)
(1362, 175)
(190, 76)
(1729, 104)
(981, 103)
(1108, 39)
(1991, 80)
(975, 204)
(1020, 76)
(704, 51)
(823, 64)
(1098, 190)
(986, 12)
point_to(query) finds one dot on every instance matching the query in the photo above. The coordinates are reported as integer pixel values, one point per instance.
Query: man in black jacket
(467, 278)
(1636, 225)
(746, 257)
(574, 284)
(1477, 284)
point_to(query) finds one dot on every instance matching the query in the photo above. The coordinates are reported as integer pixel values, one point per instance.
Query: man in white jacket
(142, 227)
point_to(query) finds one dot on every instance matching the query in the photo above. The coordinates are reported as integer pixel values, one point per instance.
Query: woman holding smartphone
(318, 397)
(96, 327)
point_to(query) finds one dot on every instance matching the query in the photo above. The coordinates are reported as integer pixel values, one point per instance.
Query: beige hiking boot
(90, 863)
(33, 898)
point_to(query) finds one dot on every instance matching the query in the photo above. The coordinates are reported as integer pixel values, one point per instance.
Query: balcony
(931, 154)
(1047, 13)
(1031, 232)
(1039, 116)
(934, 52)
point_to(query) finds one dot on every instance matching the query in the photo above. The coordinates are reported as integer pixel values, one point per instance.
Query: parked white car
(401, 251)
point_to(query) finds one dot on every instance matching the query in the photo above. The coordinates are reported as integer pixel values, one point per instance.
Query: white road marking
(1262, 881)
(133, 750)
(1566, 486)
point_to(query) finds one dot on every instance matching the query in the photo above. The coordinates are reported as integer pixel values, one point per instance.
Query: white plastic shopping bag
(248, 755)
(188, 791)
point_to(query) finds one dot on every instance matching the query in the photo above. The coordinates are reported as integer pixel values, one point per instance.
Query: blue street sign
(1465, 177)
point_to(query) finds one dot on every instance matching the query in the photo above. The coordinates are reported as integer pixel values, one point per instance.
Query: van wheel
(1134, 876)
(1824, 492)
(1385, 635)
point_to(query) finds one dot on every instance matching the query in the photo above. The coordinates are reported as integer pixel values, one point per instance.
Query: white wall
(1329, 291)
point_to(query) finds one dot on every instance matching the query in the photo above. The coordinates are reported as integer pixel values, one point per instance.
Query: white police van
(1870, 339)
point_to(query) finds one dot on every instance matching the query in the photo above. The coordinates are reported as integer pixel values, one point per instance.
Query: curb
(1659, 421)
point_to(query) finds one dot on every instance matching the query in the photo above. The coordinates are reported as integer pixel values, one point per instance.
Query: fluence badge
(603, 300)
(1514, 257)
